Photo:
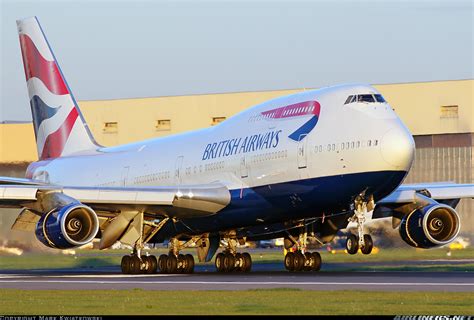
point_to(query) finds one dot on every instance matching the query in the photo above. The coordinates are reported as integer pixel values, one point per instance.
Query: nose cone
(398, 148)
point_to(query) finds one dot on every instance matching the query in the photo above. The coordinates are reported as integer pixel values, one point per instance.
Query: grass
(251, 302)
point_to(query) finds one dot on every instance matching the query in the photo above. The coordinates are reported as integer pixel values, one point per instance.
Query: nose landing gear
(361, 240)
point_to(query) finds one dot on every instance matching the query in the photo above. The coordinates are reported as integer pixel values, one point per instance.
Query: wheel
(162, 262)
(247, 262)
(239, 261)
(189, 263)
(289, 261)
(352, 244)
(125, 264)
(317, 261)
(181, 264)
(153, 264)
(172, 264)
(298, 262)
(220, 262)
(368, 244)
(229, 262)
(135, 264)
(308, 261)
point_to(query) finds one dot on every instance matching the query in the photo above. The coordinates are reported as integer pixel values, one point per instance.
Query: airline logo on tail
(55, 114)
(307, 108)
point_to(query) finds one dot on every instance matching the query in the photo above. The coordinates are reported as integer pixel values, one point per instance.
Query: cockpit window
(350, 99)
(365, 98)
(379, 98)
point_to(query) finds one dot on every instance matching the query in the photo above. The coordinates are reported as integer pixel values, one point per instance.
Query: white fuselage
(348, 138)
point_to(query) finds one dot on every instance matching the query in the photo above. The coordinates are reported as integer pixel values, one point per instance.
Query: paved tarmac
(263, 276)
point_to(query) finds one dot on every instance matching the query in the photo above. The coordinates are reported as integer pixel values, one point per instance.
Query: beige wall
(418, 104)
(17, 143)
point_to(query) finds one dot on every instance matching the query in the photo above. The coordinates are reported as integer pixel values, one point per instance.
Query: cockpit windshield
(366, 98)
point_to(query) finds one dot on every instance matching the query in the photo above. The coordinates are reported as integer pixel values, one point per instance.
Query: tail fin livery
(60, 129)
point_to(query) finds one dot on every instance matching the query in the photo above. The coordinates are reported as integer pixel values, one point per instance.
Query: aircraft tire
(247, 262)
(125, 264)
(220, 262)
(317, 261)
(162, 263)
(240, 262)
(308, 261)
(153, 264)
(352, 244)
(368, 244)
(172, 264)
(229, 262)
(189, 263)
(135, 265)
(181, 264)
(289, 261)
(298, 262)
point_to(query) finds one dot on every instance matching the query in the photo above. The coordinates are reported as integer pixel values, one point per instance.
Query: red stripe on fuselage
(294, 110)
(55, 142)
(37, 66)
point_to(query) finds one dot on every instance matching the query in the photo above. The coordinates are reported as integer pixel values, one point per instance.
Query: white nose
(398, 148)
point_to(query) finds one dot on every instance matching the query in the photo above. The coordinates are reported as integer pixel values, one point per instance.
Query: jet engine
(430, 226)
(70, 226)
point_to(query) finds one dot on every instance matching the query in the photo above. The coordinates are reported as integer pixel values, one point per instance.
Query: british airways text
(251, 143)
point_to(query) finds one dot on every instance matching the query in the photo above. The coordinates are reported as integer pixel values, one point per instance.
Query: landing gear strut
(232, 261)
(302, 260)
(361, 240)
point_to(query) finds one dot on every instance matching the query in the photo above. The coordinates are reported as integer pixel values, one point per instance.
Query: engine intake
(71, 226)
(431, 226)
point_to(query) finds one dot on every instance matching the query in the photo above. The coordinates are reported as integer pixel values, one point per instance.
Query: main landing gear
(361, 240)
(232, 261)
(175, 262)
(301, 260)
(133, 264)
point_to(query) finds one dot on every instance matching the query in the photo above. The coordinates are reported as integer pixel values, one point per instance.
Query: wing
(437, 191)
(407, 198)
(172, 202)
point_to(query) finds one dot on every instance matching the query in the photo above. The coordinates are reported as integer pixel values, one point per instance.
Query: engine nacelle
(71, 226)
(431, 226)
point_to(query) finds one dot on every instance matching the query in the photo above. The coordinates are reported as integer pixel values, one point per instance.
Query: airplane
(301, 167)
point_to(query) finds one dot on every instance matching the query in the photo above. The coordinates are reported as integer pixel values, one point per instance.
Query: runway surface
(205, 278)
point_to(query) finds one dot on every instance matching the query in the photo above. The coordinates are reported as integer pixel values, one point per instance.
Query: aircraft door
(124, 176)
(178, 174)
(301, 150)
(244, 170)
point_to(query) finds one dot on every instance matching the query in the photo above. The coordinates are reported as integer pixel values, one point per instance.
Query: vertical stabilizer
(60, 129)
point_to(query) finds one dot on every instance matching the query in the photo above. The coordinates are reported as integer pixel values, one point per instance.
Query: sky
(128, 49)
